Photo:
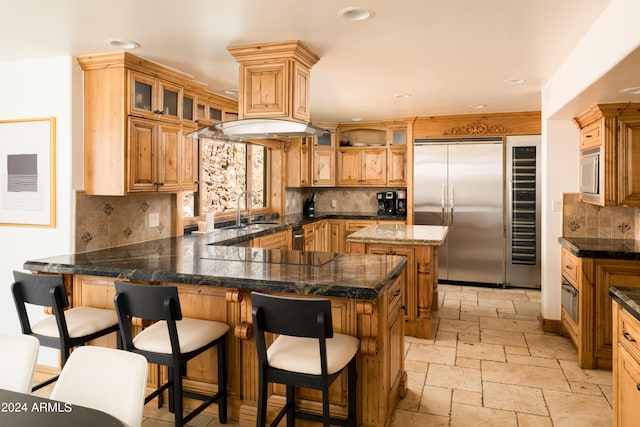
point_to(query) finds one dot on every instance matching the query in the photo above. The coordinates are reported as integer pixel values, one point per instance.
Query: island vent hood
(273, 96)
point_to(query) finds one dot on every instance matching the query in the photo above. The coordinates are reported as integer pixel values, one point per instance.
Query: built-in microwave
(590, 175)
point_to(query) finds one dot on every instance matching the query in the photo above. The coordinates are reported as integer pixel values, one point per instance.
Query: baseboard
(550, 326)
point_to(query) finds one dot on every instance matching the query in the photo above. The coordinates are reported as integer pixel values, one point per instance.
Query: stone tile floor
(489, 364)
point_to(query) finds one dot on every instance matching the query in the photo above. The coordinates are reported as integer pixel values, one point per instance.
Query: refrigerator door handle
(452, 202)
(442, 221)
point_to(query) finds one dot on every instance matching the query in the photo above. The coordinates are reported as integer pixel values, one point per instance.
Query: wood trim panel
(499, 124)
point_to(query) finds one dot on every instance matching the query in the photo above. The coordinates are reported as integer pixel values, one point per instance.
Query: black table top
(27, 410)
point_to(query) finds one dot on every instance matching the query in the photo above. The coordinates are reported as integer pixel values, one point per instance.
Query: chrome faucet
(247, 204)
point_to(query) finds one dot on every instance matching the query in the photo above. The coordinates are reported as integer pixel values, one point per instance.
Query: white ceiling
(447, 53)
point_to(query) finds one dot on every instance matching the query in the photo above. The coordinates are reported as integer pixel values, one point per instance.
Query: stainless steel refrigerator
(461, 183)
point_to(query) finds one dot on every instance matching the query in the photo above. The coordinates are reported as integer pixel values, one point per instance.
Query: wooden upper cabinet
(274, 80)
(629, 155)
(155, 151)
(616, 129)
(362, 166)
(324, 173)
(154, 98)
(137, 114)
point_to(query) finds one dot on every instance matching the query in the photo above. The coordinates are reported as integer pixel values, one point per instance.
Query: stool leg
(326, 422)
(291, 406)
(177, 394)
(352, 383)
(222, 381)
(261, 419)
(171, 375)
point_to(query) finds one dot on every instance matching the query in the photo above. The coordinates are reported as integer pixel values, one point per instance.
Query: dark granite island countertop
(583, 247)
(627, 297)
(214, 282)
(192, 260)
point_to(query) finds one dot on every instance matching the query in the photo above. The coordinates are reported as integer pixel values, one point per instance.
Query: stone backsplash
(108, 221)
(356, 200)
(586, 220)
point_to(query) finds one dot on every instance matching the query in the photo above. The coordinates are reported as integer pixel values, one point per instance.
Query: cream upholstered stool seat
(172, 340)
(301, 354)
(67, 327)
(106, 379)
(18, 358)
(307, 353)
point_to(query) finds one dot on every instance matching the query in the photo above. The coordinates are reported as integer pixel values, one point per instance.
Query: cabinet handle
(568, 267)
(159, 112)
(396, 293)
(638, 387)
(628, 337)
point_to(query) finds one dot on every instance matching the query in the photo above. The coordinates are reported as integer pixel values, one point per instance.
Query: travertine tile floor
(489, 364)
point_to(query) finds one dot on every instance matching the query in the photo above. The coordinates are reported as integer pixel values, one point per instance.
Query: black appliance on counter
(392, 202)
(309, 208)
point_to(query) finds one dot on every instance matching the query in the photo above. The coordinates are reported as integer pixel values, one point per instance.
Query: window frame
(189, 222)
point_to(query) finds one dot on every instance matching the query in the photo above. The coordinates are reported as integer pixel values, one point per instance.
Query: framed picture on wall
(28, 172)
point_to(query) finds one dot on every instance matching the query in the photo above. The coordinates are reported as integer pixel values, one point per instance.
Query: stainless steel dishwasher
(297, 241)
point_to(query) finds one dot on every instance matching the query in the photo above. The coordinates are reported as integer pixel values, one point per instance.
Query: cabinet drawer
(590, 136)
(571, 266)
(394, 298)
(353, 226)
(629, 330)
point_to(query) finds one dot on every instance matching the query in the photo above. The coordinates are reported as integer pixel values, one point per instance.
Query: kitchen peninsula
(419, 243)
(215, 282)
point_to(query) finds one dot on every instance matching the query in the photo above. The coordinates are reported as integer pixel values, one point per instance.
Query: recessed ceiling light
(477, 106)
(123, 44)
(355, 13)
(402, 95)
(356, 119)
(231, 91)
(514, 81)
(631, 90)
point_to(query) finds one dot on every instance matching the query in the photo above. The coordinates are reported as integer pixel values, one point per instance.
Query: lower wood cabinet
(376, 323)
(280, 240)
(626, 367)
(420, 292)
(592, 333)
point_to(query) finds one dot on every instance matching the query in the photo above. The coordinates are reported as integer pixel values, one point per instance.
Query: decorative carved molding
(243, 331)
(477, 127)
(369, 346)
(365, 307)
(234, 295)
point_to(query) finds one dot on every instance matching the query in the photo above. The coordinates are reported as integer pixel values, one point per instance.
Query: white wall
(34, 89)
(614, 35)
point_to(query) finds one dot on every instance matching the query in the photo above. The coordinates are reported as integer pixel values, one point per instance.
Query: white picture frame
(28, 172)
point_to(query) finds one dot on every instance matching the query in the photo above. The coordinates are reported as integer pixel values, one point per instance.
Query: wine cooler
(523, 211)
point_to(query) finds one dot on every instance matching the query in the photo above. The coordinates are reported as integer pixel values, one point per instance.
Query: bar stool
(306, 354)
(18, 359)
(67, 328)
(172, 341)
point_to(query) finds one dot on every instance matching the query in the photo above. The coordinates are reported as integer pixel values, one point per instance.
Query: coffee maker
(401, 201)
(386, 203)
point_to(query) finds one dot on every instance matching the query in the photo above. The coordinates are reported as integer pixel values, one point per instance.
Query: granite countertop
(625, 249)
(194, 260)
(396, 234)
(627, 297)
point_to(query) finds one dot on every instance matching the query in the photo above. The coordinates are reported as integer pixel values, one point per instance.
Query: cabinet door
(169, 155)
(170, 101)
(300, 93)
(142, 168)
(337, 240)
(323, 168)
(410, 291)
(143, 91)
(629, 167)
(374, 166)
(264, 89)
(590, 136)
(190, 155)
(349, 160)
(628, 392)
(397, 167)
(609, 273)
(189, 104)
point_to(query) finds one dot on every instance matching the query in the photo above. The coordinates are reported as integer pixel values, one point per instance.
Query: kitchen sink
(252, 226)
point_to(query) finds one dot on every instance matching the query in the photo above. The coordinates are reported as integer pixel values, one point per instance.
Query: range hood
(239, 130)
(273, 99)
